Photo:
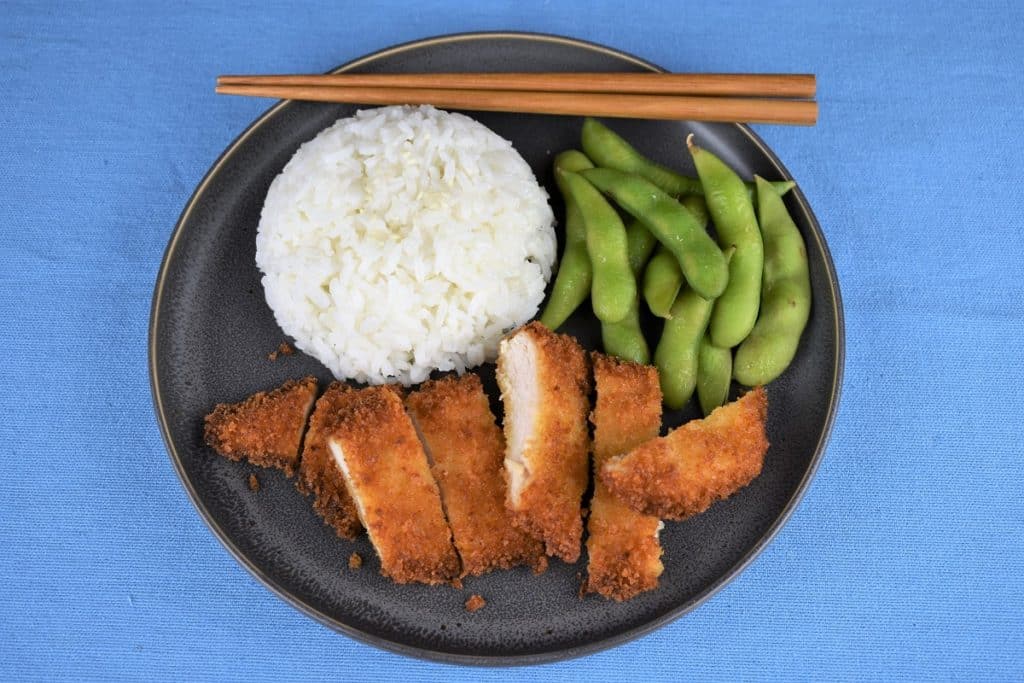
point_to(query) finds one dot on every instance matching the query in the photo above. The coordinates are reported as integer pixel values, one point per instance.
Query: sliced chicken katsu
(266, 428)
(544, 381)
(318, 473)
(374, 444)
(623, 552)
(683, 473)
(466, 448)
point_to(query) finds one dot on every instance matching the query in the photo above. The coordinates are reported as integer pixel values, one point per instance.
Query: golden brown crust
(623, 552)
(557, 450)
(266, 428)
(318, 473)
(683, 473)
(466, 447)
(389, 479)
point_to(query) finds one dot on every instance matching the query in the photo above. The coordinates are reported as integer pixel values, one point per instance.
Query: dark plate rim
(495, 660)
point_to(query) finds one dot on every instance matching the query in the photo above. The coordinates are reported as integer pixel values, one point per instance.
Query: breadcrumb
(355, 561)
(254, 483)
(474, 603)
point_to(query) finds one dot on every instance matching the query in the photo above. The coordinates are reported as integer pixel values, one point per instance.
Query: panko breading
(544, 381)
(624, 555)
(466, 449)
(683, 473)
(266, 428)
(386, 472)
(318, 473)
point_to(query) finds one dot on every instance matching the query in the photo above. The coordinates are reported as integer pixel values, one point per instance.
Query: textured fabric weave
(903, 561)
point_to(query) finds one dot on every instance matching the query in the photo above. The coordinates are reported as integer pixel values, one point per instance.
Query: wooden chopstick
(677, 107)
(746, 85)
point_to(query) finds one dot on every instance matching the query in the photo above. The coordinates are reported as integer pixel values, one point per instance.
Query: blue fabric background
(903, 561)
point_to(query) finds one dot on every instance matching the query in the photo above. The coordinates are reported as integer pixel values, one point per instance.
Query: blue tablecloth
(903, 561)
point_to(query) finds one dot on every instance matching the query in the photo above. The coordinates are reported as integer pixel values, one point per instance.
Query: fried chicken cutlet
(374, 444)
(318, 473)
(466, 448)
(703, 461)
(266, 428)
(623, 551)
(544, 381)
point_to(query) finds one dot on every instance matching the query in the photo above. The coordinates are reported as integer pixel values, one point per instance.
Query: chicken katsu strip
(683, 473)
(544, 381)
(266, 428)
(466, 449)
(375, 445)
(623, 552)
(318, 473)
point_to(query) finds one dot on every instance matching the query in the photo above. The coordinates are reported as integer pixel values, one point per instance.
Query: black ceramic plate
(211, 332)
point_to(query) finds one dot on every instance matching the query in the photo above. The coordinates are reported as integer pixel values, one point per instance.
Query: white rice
(404, 240)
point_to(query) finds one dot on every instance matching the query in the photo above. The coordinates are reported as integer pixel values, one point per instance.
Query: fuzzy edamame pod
(736, 309)
(609, 150)
(714, 373)
(677, 350)
(699, 257)
(785, 298)
(572, 283)
(614, 286)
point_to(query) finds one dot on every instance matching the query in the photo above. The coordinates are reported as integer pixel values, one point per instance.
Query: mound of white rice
(404, 240)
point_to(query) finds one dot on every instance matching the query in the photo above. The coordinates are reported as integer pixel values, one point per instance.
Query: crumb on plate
(474, 603)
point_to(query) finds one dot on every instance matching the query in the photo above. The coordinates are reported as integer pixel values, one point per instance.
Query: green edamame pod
(572, 283)
(696, 205)
(625, 339)
(785, 298)
(678, 348)
(609, 150)
(675, 227)
(662, 281)
(639, 245)
(606, 148)
(714, 373)
(736, 309)
(614, 287)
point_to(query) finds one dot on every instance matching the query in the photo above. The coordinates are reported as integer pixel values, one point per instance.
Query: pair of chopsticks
(749, 98)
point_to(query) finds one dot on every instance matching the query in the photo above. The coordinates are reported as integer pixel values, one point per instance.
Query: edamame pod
(639, 245)
(625, 339)
(736, 309)
(614, 286)
(662, 278)
(572, 283)
(662, 281)
(785, 299)
(699, 257)
(714, 373)
(676, 355)
(608, 149)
